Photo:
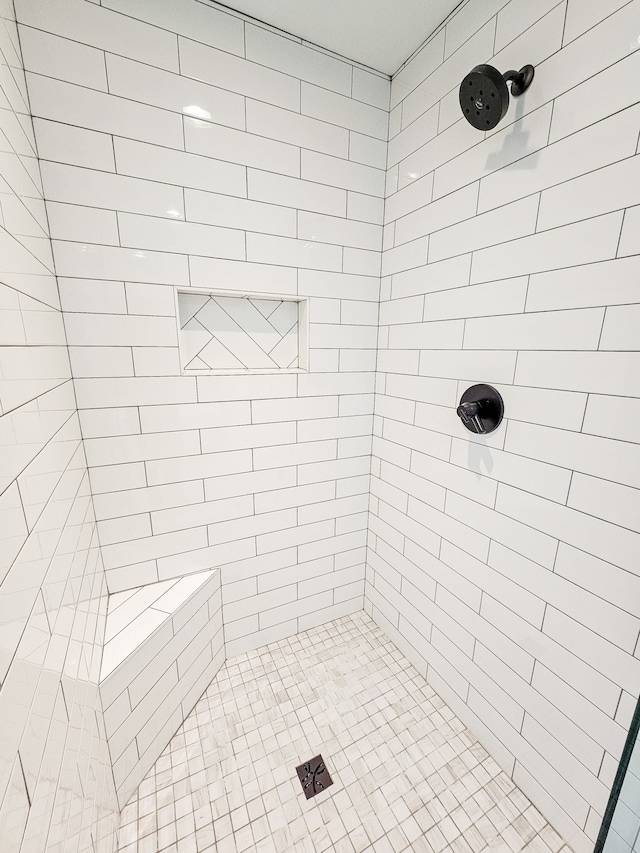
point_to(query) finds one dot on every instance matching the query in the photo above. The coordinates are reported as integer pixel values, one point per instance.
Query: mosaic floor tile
(407, 775)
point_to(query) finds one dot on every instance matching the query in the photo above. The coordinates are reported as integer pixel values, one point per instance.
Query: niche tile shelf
(233, 333)
(163, 646)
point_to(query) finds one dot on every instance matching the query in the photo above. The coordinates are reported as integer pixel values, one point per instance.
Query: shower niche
(225, 332)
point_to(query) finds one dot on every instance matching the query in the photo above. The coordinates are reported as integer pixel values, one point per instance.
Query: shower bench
(163, 646)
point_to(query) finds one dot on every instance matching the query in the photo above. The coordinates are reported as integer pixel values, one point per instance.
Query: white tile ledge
(135, 614)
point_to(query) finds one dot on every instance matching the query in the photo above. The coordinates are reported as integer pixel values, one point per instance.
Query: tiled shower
(207, 176)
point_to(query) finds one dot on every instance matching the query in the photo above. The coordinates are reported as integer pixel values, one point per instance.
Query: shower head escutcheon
(484, 95)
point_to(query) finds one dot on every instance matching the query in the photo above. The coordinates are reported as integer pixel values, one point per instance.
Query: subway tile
(436, 216)
(599, 457)
(368, 150)
(87, 261)
(200, 559)
(203, 465)
(92, 296)
(538, 477)
(265, 119)
(92, 110)
(135, 448)
(107, 361)
(156, 163)
(599, 577)
(147, 85)
(440, 334)
(600, 538)
(413, 136)
(99, 423)
(494, 153)
(365, 208)
(143, 232)
(195, 416)
(329, 106)
(212, 26)
(268, 411)
(607, 189)
(241, 437)
(317, 472)
(243, 276)
(317, 430)
(592, 240)
(361, 261)
(409, 198)
(236, 146)
(406, 257)
(493, 298)
(291, 252)
(506, 525)
(516, 17)
(581, 18)
(604, 283)
(266, 523)
(86, 224)
(314, 226)
(469, 365)
(593, 372)
(563, 590)
(629, 236)
(134, 392)
(114, 192)
(619, 666)
(557, 330)
(606, 500)
(117, 330)
(238, 75)
(295, 454)
(331, 285)
(609, 93)
(47, 54)
(612, 417)
(109, 478)
(301, 536)
(153, 547)
(452, 273)
(305, 195)
(229, 212)
(104, 29)
(252, 482)
(341, 173)
(500, 226)
(371, 88)
(299, 60)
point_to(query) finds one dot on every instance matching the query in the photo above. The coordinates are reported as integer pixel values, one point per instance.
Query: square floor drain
(314, 776)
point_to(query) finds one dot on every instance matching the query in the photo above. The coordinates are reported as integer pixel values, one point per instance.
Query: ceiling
(379, 33)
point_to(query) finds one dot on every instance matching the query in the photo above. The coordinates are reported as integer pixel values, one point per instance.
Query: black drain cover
(314, 776)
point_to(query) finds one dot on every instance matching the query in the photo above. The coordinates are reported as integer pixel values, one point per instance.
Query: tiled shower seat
(164, 644)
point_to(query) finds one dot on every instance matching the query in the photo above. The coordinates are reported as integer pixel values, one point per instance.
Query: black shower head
(484, 96)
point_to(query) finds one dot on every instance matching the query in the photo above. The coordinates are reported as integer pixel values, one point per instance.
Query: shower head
(484, 96)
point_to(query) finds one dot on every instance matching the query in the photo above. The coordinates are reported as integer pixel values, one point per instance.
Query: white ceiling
(379, 33)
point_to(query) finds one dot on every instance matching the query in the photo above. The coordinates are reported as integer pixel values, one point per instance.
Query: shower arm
(520, 80)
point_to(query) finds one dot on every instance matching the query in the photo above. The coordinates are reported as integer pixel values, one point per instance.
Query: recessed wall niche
(227, 332)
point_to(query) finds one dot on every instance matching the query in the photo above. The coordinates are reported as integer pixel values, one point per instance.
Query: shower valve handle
(470, 416)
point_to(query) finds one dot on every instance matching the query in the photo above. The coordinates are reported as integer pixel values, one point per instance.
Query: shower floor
(406, 773)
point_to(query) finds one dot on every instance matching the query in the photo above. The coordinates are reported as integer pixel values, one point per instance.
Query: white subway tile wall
(56, 784)
(506, 567)
(194, 149)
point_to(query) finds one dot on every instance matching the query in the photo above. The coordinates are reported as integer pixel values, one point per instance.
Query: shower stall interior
(287, 343)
